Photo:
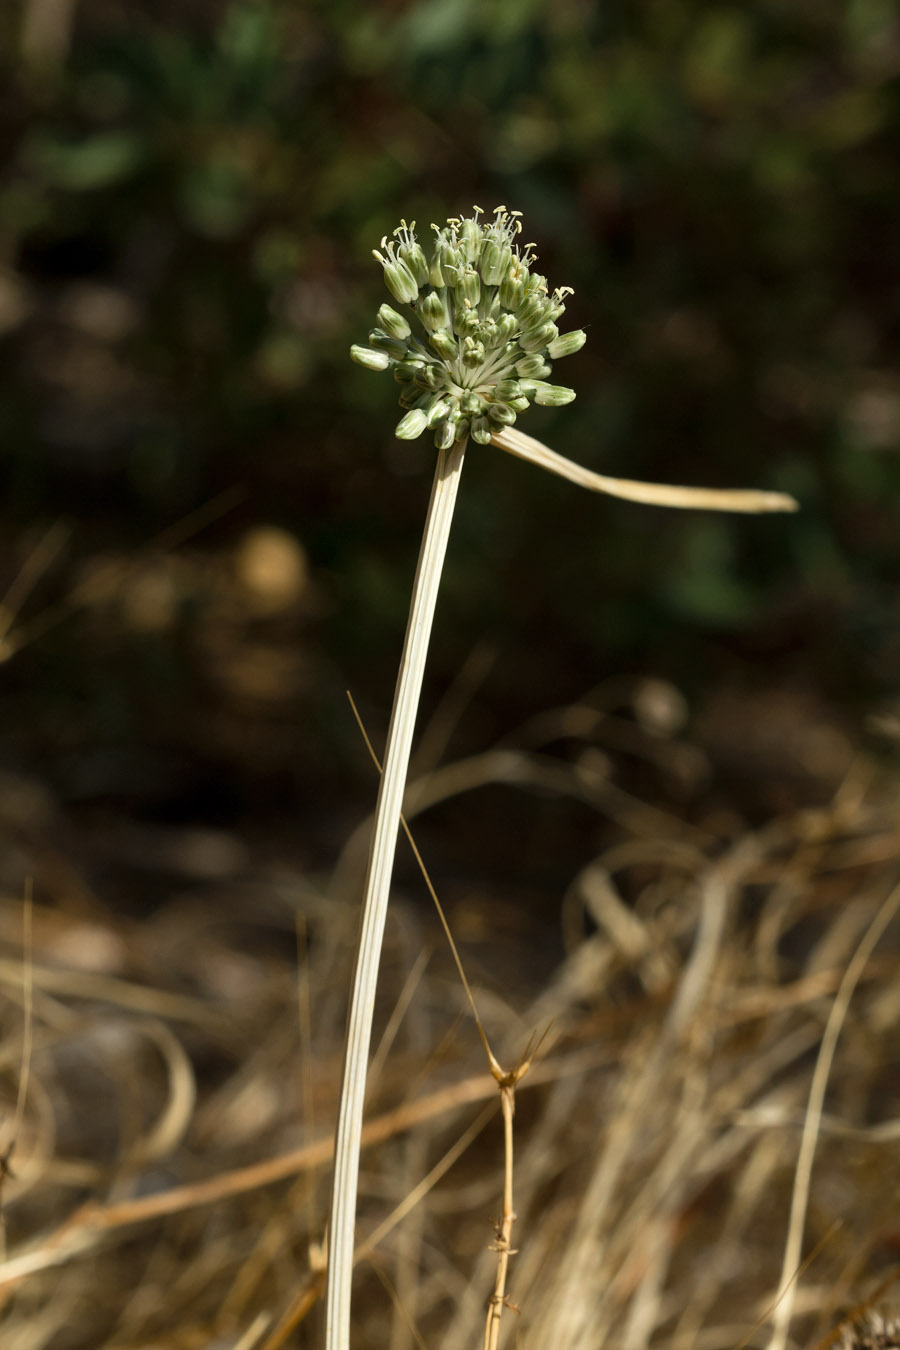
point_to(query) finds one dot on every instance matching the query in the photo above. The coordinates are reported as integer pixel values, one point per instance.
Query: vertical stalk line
(503, 1244)
(377, 890)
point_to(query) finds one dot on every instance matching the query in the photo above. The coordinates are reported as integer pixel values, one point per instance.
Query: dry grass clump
(727, 1002)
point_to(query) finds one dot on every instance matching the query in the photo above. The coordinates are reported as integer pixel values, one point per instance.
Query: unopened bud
(553, 395)
(393, 323)
(566, 344)
(372, 360)
(445, 435)
(412, 425)
(444, 344)
(536, 340)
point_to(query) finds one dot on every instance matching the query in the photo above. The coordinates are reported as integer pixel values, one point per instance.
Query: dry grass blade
(14, 639)
(812, 1123)
(648, 494)
(655, 1149)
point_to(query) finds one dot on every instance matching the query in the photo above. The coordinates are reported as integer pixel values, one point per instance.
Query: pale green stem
(375, 901)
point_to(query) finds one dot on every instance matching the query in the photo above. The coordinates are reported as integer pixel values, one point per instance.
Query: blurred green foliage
(188, 201)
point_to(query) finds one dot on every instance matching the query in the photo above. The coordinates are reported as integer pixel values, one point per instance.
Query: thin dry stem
(812, 1123)
(378, 881)
(504, 1234)
(649, 494)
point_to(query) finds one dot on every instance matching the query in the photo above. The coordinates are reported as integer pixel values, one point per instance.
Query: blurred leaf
(215, 197)
(702, 583)
(97, 161)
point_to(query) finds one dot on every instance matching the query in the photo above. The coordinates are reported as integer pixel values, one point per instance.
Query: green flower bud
(502, 414)
(438, 411)
(519, 404)
(416, 261)
(412, 425)
(466, 322)
(372, 360)
(537, 339)
(486, 332)
(445, 434)
(512, 285)
(449, 255)
(394, 347)
(506, 328)
(393, 323)
(444, 344)
(553, 395)
(411, 397)
(566, 344)
(506, 390)
(468, 287)
(481, 430)
(536, 284)
(530, 307)
(429, 377)
(399, 279)
(472, 237)
(532, 367)
(470, 404)
(496, 257)
(433, 312)
(409, 253)
(407, 369)
(472, 353)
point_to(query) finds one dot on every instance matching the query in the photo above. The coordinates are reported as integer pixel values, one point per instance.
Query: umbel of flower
(474, 347)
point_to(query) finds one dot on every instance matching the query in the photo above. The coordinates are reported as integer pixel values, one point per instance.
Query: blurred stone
(102, 312)
(272, 568)
(659, 707)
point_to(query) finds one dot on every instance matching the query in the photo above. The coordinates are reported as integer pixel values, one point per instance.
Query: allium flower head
(476, 348)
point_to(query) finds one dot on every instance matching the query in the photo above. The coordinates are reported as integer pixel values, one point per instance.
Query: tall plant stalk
(486, 335)
(377, 890)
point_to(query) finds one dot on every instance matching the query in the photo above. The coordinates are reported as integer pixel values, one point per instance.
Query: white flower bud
(393, 323)
(502, 414)
(496, 257)
(433, 312)
(538, 339)
(372, 360)
(397, 277)
(566, 344)
(438, 411)
(444, 344)
(532, 367)
(553, 395)
(512, 285)
(481, 430)
(445, 435)
(394, 347)
(412, 425)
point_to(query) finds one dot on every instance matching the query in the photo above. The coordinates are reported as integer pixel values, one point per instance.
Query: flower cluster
(488, 329)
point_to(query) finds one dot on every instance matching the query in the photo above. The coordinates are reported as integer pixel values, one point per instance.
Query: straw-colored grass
(715, 1101)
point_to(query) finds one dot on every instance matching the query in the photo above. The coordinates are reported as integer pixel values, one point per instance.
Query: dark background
(217, 527)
